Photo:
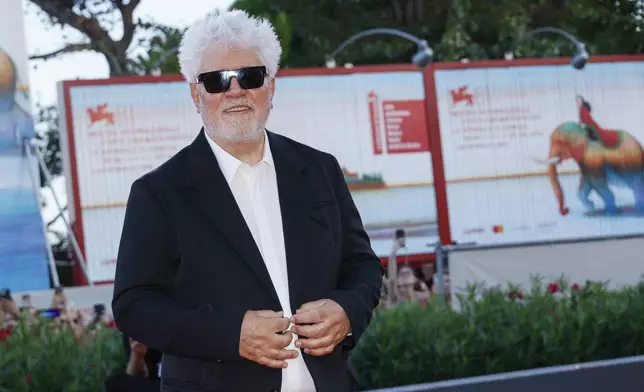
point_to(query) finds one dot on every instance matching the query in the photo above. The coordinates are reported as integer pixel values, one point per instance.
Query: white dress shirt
(256, 194)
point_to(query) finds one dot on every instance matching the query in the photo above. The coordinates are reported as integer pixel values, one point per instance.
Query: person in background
(409, 287)
(141, 371)
(428, 271)
(99, 317)
(9, 311)
(26, 302)
(446, 284)
(243, 258)
(390, 280)
(59, 299)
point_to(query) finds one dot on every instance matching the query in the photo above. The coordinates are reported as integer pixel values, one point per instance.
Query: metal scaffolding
(32, 148)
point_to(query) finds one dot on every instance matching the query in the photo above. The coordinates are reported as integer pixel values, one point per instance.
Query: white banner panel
(374, 123)
(500, 127)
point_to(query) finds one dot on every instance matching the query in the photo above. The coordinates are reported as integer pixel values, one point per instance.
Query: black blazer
(188, 268)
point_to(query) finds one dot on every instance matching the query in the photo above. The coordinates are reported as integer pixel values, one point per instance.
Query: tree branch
(88, 26)
(127, 12)
(66, 49)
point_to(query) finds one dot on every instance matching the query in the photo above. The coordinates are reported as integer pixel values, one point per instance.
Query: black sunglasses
(219, 81)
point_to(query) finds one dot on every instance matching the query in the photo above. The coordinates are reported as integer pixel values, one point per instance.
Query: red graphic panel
(405, 126)
(374, 115)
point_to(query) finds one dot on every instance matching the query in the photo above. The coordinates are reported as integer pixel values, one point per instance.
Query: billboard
(375, 123)
(23, 252)
(542, 153)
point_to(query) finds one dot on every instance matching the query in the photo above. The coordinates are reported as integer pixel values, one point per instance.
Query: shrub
(45, 358)
(503, 331)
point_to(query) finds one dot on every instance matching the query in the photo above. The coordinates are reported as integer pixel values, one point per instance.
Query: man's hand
(262, 340)
(329, 325)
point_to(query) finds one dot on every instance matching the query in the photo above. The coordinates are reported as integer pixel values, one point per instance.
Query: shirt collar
(229, 164)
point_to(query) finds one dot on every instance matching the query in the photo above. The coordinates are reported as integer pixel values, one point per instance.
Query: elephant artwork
(606, 158)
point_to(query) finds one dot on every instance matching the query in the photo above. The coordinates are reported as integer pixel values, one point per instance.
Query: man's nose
(235, 89)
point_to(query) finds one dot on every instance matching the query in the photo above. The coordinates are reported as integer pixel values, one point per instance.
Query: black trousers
(127, 383)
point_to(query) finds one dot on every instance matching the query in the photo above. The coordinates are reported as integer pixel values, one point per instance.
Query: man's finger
(282, 340)
(310, 305)
(281, 354)
(318, 352)
(270, 314)
(278, 324)
(310, 316)
(311, 331)
(315, 343)
(272, 363)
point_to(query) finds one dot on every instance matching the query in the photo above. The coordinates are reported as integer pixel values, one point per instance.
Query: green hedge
(503, 331)
(552, 324)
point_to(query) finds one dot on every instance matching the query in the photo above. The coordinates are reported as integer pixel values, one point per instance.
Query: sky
(44, 75)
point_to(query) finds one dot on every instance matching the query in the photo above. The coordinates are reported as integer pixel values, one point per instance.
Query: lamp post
(155, 70)
(579, 58)
(422, 57)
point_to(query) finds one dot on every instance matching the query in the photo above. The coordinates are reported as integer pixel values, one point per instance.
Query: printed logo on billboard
(462, 95)
(100, 114)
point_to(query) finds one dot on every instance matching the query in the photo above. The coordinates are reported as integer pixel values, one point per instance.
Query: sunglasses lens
(219, 81)
(251, 77)
(215, 82)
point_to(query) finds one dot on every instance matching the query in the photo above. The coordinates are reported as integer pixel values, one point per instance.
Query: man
(243, 258)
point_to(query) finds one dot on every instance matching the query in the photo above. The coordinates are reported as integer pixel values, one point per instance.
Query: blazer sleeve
(143, 305)
(361, 271)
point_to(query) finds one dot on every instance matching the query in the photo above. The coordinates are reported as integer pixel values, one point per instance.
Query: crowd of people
(82, 322)
(141, 371)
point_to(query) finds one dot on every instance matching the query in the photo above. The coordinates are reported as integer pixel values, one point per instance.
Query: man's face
(236, 115)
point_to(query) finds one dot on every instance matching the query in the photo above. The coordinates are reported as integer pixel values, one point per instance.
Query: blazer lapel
(296, 196)
(212, 195)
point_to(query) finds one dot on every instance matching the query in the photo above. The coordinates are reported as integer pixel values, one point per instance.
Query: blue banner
(23, 247)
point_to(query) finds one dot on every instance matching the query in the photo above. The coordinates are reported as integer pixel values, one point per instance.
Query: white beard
(235, 129)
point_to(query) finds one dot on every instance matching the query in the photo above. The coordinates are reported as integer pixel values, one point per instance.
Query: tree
(47, 120)
(161, 55)
(95, 20)
(455, 29)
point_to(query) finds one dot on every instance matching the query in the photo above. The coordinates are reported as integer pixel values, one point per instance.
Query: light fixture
(421, 58)
(578, 60)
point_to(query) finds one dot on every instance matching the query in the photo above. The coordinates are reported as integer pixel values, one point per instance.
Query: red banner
(405, 126)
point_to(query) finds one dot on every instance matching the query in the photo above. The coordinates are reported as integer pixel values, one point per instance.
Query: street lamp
(422, 57)
(578, 60)
(155, 70)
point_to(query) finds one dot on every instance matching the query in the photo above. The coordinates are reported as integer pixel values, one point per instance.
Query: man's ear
(194, 93)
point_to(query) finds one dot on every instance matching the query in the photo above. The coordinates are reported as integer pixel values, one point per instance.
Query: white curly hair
(234, 28)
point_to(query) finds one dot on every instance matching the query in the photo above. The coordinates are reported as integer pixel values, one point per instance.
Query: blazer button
(218, 360)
